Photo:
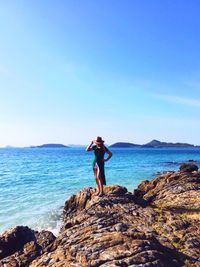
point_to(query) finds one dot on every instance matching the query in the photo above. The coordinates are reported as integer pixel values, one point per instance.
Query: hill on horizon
(51, 146)
(152, 144)
(124, 144)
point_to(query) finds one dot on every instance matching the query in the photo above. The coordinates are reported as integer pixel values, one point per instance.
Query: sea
(36, 182)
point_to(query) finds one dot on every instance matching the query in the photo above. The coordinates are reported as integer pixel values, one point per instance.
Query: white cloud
(180, 100)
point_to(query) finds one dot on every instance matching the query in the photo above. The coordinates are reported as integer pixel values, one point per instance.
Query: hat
(99, 140)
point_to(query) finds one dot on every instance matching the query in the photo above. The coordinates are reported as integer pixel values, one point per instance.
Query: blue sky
(125, 70)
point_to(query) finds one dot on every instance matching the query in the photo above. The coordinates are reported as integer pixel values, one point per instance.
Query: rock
(21, 245)
(176, 199)
(157, 225)
(45, 240)
(188, 167)
(112, 230)
(121, 227)
(14, 239)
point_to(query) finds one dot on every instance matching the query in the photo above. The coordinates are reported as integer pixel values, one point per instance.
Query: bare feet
(101, 194)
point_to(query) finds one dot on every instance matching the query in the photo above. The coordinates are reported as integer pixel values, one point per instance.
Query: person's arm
(89, 147)
(109, 154)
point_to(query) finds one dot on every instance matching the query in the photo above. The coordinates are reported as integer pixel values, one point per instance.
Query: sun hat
(98, 140)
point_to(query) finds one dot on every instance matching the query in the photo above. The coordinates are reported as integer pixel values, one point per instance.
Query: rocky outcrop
(109, 231)
(188, 167)
(175, 197)
(21, 245)
(157, 225)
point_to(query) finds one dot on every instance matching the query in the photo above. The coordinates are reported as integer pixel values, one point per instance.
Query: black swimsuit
(99, 153)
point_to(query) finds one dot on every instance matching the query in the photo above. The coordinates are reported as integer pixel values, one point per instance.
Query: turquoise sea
(35, 182)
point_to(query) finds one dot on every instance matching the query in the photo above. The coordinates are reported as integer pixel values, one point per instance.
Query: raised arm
(89, 147)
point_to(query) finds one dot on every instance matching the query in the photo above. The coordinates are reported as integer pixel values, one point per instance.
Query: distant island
(50, 146)
(153, 144)
(124, 144)
(156, 143)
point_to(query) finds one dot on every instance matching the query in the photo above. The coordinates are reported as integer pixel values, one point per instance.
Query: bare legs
(98, 181)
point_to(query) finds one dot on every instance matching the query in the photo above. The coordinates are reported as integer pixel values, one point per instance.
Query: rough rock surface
(21, 245)
(176, 199)
(156, 226)
(188, 167)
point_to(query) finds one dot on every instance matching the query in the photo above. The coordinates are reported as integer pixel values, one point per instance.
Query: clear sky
(125, 70)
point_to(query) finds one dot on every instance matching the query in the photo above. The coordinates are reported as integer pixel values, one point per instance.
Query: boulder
(14, 240)
(21, 245)
(188, 167)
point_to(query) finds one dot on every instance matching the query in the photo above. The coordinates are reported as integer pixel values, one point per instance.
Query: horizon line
(80, 145)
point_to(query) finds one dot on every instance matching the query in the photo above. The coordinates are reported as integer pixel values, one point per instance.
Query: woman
(99, 149)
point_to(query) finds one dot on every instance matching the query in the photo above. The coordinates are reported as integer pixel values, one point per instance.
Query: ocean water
(35, 182)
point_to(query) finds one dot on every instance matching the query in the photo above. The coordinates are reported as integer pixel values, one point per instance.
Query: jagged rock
(14, 239)
(172, 190)
(109, 231)
(20, 245)
(188, 167)
(156, 226)
(176, 199)
(45, 240)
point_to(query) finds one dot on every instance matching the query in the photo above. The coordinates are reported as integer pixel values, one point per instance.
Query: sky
(124, 70)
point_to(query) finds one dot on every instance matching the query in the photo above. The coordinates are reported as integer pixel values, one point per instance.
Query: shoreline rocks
(188, 167)
(21, 245)
(156, 225)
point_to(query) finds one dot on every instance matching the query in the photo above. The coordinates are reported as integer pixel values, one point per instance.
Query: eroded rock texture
(157, 225)
(21, 245)
(188, 167)
(175, 197)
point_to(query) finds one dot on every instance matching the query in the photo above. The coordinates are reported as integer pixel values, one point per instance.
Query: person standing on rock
(99, 149)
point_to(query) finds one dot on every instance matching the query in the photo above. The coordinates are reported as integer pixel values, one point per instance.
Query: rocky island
(157, 225)
(50, 146)
(125, 145)
(153, 144)
(159, 144)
